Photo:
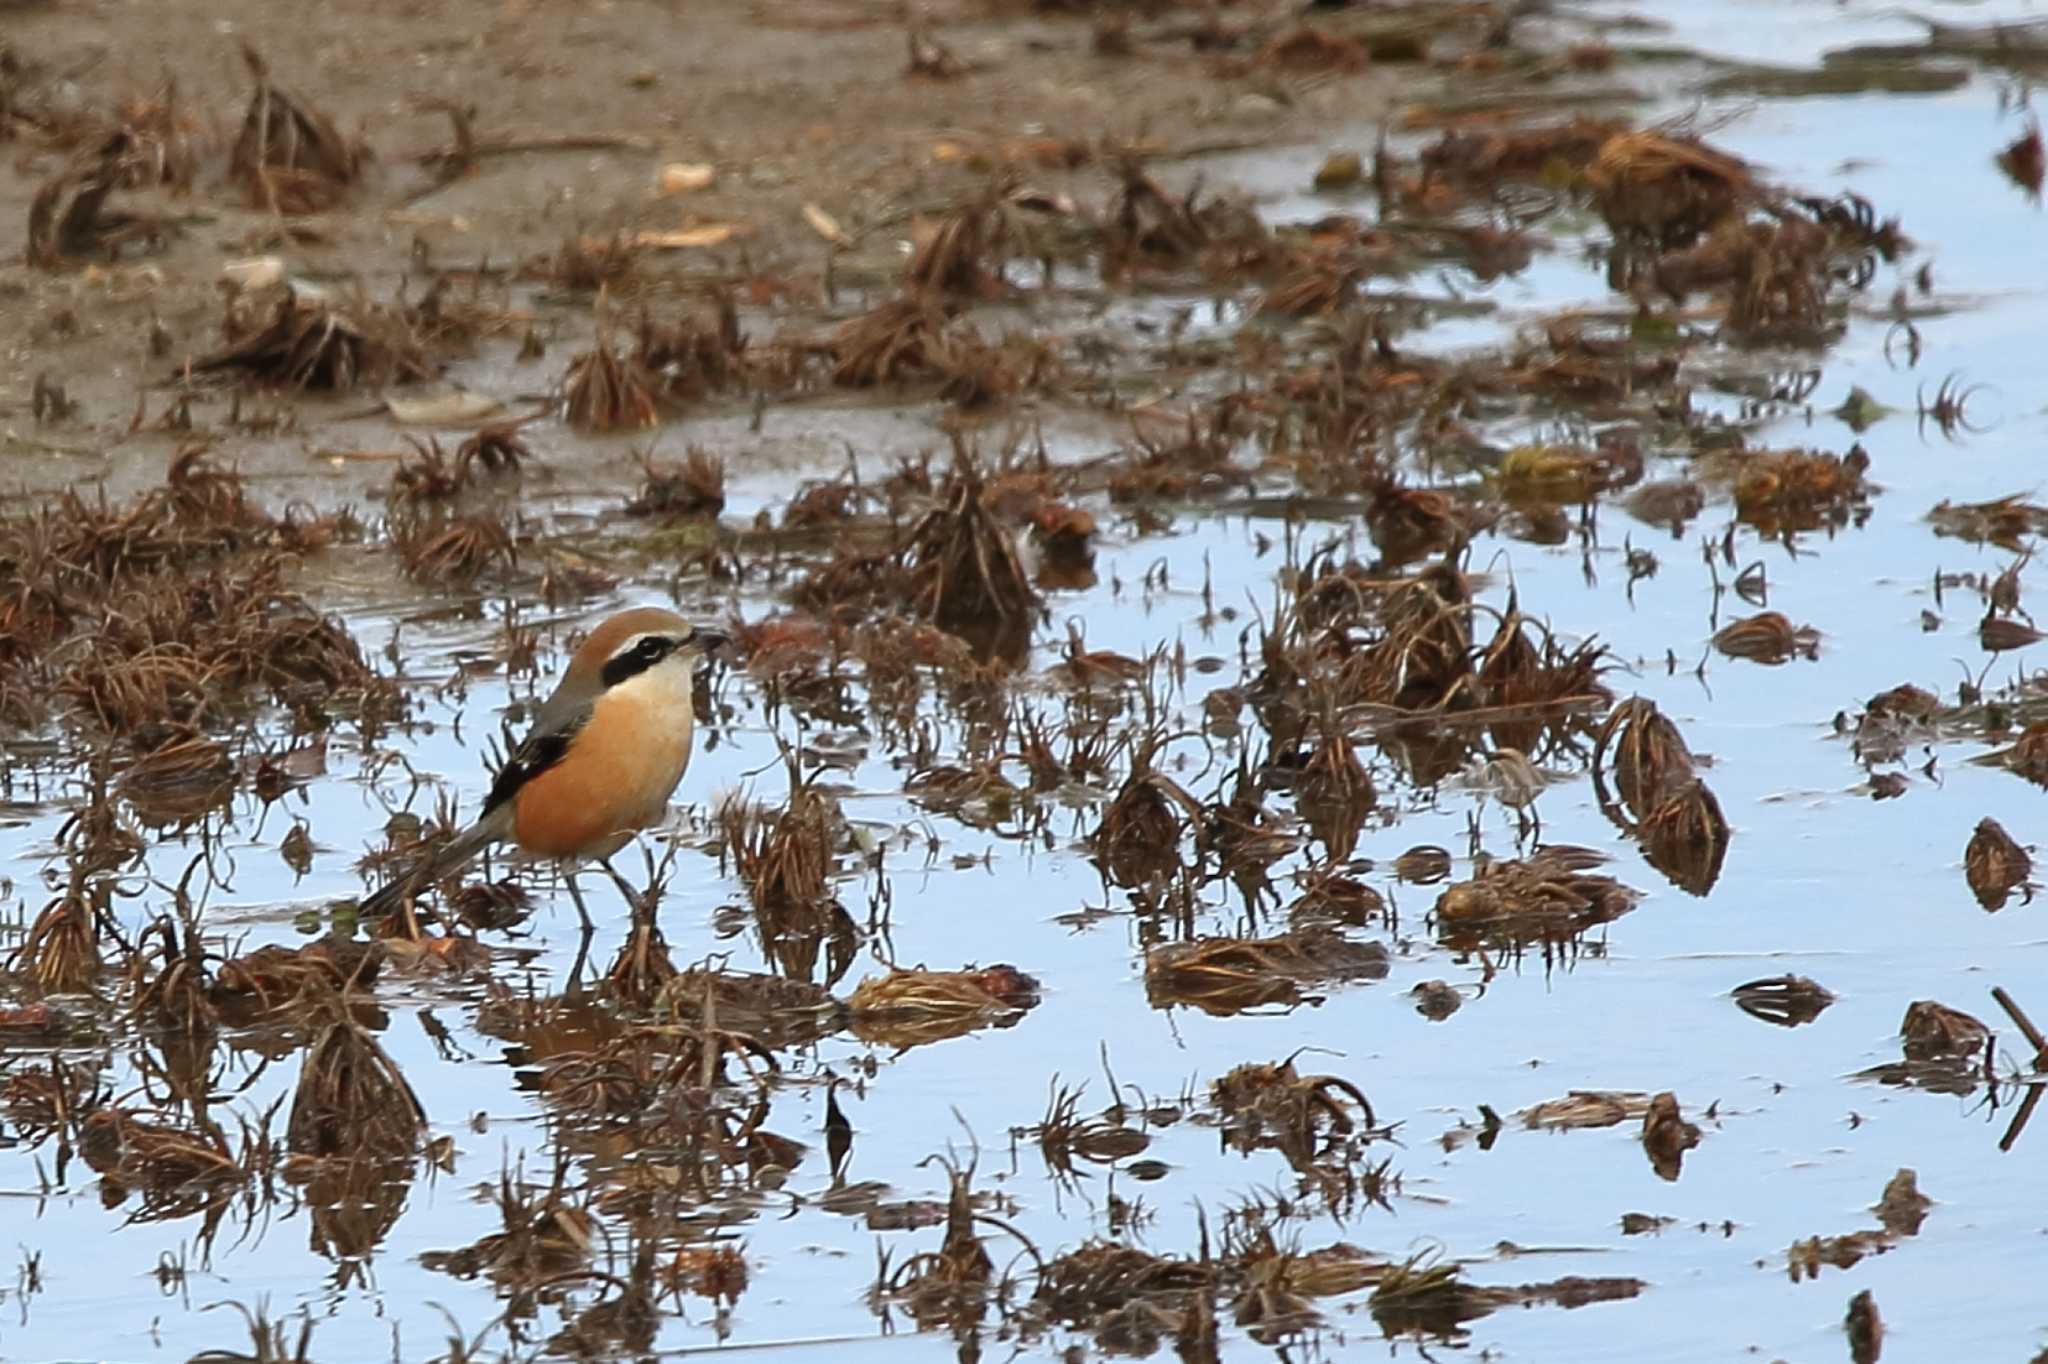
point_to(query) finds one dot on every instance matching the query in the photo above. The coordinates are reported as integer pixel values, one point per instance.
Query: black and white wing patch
(539, 751)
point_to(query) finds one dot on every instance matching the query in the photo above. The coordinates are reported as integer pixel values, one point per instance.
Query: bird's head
(645, 648)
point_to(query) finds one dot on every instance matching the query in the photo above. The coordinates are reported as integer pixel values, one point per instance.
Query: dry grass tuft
(913, 1006)
(1665, 190)
(1541, 900)
(289, 155)
(351, 1097)
(786, 862)
(1224, 976)
(691, 489)
(312, 343)
(603, 390)
(61, 954)
(69, 220)
(964, 571)
(455, 551)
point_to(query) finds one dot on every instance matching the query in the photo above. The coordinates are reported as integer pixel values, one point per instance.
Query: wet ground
(194, 1136)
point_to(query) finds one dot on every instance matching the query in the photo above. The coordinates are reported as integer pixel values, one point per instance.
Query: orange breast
(617, 777)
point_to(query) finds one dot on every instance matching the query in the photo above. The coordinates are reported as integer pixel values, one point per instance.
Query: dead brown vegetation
(912, 1006)
(1224, 976)
(1663, 801)
(1543, 900)
(289, 156)
(310, 342)
(604, 390)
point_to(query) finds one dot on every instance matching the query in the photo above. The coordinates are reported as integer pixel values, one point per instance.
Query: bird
(606, 751)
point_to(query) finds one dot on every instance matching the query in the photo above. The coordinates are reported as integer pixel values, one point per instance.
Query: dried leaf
(824, 224)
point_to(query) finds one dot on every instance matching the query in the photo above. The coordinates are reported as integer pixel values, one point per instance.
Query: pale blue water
(1866, 897)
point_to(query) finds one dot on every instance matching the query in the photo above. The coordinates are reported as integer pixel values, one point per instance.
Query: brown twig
(2023, 1023)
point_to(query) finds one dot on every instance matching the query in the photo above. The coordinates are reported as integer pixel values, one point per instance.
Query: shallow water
(1865, 896)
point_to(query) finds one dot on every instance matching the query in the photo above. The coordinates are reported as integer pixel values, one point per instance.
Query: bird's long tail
(445, 860)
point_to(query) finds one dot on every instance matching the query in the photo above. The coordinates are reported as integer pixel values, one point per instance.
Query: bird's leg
(576, 894)
(635, 901)
(583, 942)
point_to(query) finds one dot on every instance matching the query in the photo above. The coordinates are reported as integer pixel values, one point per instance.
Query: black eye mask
(636, 660)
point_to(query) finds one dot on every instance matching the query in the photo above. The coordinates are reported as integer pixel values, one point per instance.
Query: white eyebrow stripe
(631, 643)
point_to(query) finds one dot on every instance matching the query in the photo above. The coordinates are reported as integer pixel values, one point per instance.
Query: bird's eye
(652, 647)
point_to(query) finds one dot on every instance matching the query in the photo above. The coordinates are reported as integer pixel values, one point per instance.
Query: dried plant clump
(175, 653)
(786, 862)
(1270, 1105)
(1667, 1136)
(351, 1097)
(454, 551)
(697, 357)
(2004, 521)
(1768, 637)
(2024, 161)
(605, 391)
(1225, 976)
(1664, 803)
(903, 338)
(1663, 190)
(179, 1170)
(308, 342)
(1774, 275)
(69, 220)
(1530, 684)
(1085, 1286)
(1648, 755)
(257, 984)
(1799, 490)
(963, 567)
(587, 264)
(1787, 1001)
(1541, 900)
(964, 252)
(1554, 154)
(953, 1283)
(1995, 865)
(429, 476)
(544, 1235)
(643, 971)
(774, 1010)
(61, 954)
(495, 448)
(1148, 228)
(912, 1006)
(1333, 792)
(1561, 473)
(1686, 837)
(1902, 1208)
(693, 488)
(2027, 757)
(1319, 282)
(1138, 843)
(289, 155)
(1934, 1032)
(182, 778)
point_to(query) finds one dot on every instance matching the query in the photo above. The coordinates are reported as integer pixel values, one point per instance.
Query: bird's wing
(542, 748)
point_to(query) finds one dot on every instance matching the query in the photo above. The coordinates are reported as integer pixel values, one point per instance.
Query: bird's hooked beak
(709, 642)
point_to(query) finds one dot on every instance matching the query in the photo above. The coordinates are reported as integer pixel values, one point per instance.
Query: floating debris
(1787, 1001)
(1767, 637)
(1995, 865)
(1224, 976)
(909, 1008)
(1544, 900)
(1667, 1136)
